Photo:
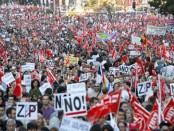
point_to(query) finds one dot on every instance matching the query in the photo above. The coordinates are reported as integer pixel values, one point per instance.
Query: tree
(164, 6)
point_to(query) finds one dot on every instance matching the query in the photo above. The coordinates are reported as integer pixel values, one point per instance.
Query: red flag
(163, 89)
(42, 58)
(141, 116)
(51, 78)
(153, 120)
(49, 52)
(168, 112)
(140, 67)
(17, 90)
(113, 54)
(109, 104)
(133, 99)
(85, 45)
(124, 58)
(35, 75)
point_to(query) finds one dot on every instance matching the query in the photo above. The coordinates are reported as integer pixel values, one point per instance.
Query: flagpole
(159, 104)
(136, 80)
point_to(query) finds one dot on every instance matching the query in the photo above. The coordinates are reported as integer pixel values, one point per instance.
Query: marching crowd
(63, 48)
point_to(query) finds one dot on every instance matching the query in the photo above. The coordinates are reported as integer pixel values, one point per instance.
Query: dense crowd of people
(28, 35)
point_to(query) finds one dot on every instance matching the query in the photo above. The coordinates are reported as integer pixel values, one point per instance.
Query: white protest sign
(26, 110)
(135, 53)
(156, 30)
(76, 88)
(124, 69)
(71, 124)
(58, 101)
(114, 71)
(143, 88)
(84, 77)
(75, 105)
(32, 66)
(172, 89)
(44, 87)
(50, 63)
(27, 79)
(136, 40)
(131, 47)
(25, 68)
(8, 78)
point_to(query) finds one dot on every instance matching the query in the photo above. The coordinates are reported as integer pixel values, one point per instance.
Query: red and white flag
(163, 90)
(42, 58)
(133, 99)
(140, 67)
(141, 117)
(153, 119)
(168, 112)
(51, 77)
(35, 75)
(110, 104)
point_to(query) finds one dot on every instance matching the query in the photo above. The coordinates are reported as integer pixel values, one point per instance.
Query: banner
(44, 87)
(156, 30)
(26, 111)
(77, 88)
(172, 89)
(71, 124)
(143, 88)
(136, 40)
(75, 105)
(8, 78)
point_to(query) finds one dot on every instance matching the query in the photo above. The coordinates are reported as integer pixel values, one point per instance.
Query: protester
(107, 74)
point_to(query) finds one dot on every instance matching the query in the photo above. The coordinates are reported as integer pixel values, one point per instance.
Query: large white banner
(71, 124)
(156, 30)
(26, 110)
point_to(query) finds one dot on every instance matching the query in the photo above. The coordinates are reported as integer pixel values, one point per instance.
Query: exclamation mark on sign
(83, 100)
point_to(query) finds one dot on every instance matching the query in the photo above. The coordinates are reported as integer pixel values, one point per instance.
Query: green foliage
(164, 6)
